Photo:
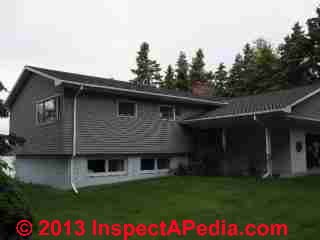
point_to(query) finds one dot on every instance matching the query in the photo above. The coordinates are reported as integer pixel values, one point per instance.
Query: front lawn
(295, 202)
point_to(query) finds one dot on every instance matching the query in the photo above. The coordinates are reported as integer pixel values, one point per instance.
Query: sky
(102, 37)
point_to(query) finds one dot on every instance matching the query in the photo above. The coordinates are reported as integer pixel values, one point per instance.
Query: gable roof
(114, 85)
(276, 101)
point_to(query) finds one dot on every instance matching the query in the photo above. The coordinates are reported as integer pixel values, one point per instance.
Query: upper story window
(127, 109)
(167, 112)
(47, 111)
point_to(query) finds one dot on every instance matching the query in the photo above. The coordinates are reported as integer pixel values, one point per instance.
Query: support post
(268, 150)
(224, 140)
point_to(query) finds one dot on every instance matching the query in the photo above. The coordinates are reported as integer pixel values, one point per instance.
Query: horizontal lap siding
(100, 130)
(44, 139)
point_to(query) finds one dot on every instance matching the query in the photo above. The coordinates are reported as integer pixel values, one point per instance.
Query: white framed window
(127, 109)
(151, 165)
(167, 112)
(102, 167)
(48, 110)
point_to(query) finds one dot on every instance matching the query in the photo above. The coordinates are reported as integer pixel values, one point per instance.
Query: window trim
(174, 112)
(58, 109)
(107, 172)
(156, 169)
(127, 116)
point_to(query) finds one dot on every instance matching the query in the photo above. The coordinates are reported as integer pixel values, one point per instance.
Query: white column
(224, 139)
(268, 150)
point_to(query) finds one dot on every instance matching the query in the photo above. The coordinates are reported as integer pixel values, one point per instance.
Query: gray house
(84, 130)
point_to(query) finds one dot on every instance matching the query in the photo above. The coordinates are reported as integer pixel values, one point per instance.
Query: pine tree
(254, 71)
(182, 73)
(197, 70)
(311, 63)
(220, 81)
(148, 71)
(233, 85)
(294, 54)
(169, 80)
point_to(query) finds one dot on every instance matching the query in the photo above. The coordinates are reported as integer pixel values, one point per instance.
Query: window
(127, 109)
(47, 110)
(167, 112)
(163, 163)
(147, 164)
(107, 167)
(96, 166)
(152, 164)
(116, 165)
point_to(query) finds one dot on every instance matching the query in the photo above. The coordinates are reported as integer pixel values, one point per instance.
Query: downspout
(268, 149)
(74, 150)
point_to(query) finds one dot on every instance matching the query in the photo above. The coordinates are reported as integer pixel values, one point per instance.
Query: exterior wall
(82, 178)
(101, 131)
(280, 147)
(46, 171)
(298, 159)
(40, 139)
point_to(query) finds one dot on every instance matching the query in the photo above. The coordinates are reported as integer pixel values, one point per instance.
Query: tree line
(259, 67)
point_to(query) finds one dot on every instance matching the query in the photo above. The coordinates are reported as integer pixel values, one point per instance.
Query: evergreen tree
(234, 82)
(182, 73)
(311, 62)
(197, 70)
(148, 71)
(169, 80)
(254, 71)
(220, 81)
(294, 54)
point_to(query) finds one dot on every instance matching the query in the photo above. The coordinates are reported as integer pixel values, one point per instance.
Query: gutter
(285, 109)
(74, 147)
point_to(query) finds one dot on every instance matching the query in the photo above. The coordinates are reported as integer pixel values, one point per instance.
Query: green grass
(295, 202)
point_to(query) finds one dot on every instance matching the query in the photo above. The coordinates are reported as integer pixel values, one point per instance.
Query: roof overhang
(235, 120)
(131, 92)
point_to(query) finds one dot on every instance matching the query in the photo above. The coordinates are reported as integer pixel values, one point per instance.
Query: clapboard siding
(44, 139)
(101, 131)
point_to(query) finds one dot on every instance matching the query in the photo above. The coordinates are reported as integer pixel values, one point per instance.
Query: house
(85, 130)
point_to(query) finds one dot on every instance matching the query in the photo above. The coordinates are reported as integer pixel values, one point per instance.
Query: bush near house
(13, 206)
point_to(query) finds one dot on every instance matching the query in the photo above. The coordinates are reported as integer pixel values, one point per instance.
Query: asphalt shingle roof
(86, 79)
(271, 101)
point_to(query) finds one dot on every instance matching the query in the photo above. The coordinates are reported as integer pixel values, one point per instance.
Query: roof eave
(188, 99)
(190, 121)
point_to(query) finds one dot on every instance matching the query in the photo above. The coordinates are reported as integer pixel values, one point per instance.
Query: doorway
(313, 150)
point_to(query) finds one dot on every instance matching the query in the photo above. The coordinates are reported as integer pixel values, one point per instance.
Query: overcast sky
(102, 37)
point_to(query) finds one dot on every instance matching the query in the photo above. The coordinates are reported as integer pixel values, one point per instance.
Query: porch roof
(273, 102)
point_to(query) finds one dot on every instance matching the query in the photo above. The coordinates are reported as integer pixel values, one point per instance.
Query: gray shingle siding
(45, 139)
(101, 131)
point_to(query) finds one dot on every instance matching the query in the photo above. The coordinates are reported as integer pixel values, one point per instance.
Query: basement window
(116, 165)
(107, 167)
(127, 109)
(96, 166)
(167, 113)
(47, 111)
(153, 164)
